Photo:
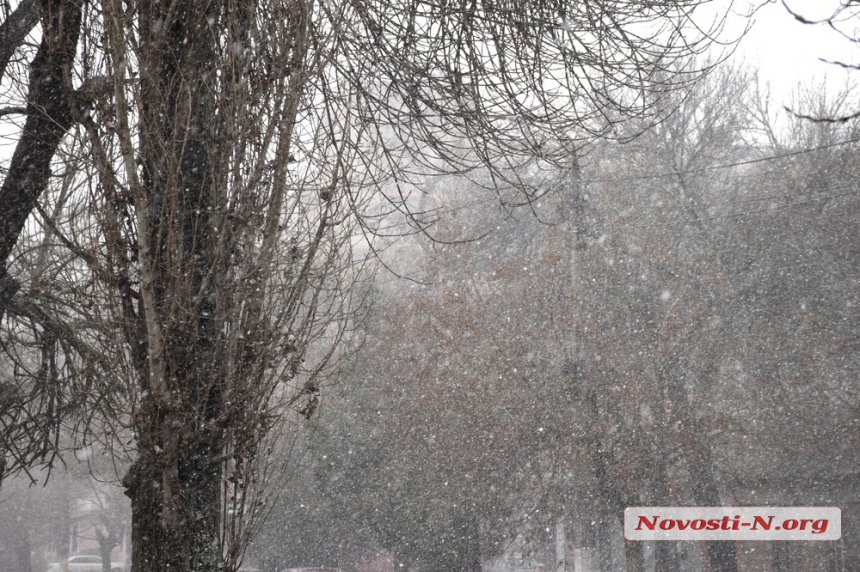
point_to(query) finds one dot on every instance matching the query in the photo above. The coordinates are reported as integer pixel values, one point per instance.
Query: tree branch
(818, 119)
(20, 305)
(14, 31)
(49, 117)
(12, 110)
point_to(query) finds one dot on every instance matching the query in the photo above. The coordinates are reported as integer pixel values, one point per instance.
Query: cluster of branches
(184, 283)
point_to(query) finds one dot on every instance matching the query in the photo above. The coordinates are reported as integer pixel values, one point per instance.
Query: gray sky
(786, 51)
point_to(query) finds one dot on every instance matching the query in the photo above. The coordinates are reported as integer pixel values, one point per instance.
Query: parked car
(85, 563)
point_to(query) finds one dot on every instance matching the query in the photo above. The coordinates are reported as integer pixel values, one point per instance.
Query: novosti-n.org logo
(732, 523)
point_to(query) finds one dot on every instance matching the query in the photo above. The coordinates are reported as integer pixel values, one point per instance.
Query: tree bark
(175, 483)
(183, 536)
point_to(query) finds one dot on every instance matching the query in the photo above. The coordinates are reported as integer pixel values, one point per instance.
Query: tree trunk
(62, 530)
(183, 536)
(106, 547)
(107, 542)
(634, 556)
(560, 546)
(634, 551)
(721, 554)
(175, 483)
(472, 534)
(665, 552)
(781, 557)
(21, 547)
(666, 556)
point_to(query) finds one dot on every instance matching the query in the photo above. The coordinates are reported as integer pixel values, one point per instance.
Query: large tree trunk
(175, 484)
(184, 535)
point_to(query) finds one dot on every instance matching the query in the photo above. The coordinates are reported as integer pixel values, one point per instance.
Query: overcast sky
(787, 51)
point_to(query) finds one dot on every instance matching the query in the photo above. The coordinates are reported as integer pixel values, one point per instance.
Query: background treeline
(675, 322)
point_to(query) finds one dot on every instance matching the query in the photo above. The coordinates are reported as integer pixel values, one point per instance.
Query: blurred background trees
(675, 324)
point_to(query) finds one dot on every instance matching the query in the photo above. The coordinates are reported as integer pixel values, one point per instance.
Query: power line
(768, 210)
(440, 211)
(723, 165)
(818, 195)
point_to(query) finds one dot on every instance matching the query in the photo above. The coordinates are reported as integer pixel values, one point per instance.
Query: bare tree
(232, 154)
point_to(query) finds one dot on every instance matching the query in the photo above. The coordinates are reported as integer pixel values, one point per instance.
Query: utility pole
(572, 212)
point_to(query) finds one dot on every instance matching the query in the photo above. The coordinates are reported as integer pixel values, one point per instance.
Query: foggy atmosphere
(429, 286)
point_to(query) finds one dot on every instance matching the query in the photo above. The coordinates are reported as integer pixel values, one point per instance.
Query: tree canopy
(198, 187)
